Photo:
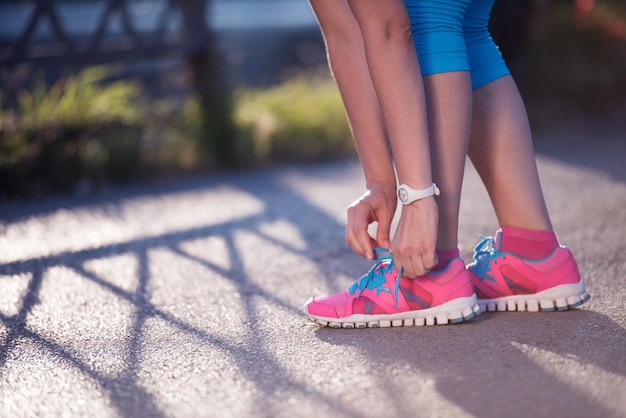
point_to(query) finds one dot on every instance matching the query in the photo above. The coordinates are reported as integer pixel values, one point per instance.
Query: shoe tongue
(498, 239)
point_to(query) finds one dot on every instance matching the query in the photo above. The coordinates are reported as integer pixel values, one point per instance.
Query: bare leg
(438, 38)
(449, 103)
(395, 72)
(394, 79)
(501, 149)
(394, 69)
(348, 63)
(502, 152)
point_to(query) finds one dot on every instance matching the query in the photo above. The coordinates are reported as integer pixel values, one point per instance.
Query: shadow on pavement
(324, 237)
(500, 364)
(491, 363)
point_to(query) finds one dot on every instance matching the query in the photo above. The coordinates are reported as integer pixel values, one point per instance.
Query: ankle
(444, 256)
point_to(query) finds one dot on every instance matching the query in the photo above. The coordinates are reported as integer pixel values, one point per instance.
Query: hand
(415, 240)
(377, 204)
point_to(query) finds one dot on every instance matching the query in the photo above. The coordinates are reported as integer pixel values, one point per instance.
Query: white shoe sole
(451, 312)
(558, 298)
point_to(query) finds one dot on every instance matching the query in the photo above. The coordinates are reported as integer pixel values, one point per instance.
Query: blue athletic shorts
(452, 35)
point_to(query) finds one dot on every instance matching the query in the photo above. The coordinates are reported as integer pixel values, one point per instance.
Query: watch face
(403, 195)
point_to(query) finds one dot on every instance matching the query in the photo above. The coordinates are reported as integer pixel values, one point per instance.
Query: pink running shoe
(505, 282)
(381, 298)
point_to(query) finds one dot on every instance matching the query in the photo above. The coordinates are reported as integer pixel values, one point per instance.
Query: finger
(351, 239)
(357, 236)
(418, 269)
(413, 267)
(361, 234)
(352, 242)
(430, 260)
(366, 243)
(383, 232)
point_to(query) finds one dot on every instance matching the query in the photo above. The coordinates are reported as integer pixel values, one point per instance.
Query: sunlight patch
(267, 264)
(82, 317)
(284, 232)
(213, 250)
(119, 270)
(39, 381)
(12, 291)
(184, 368)
(140, 220)
(195, 295)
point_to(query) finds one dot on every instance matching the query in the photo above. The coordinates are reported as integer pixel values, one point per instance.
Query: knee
(399, 31)
(391, 32)
(348, 33)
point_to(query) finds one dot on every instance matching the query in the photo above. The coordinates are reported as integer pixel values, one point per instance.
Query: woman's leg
(348, 63)
(346, 56)
(501, 146)
(448, 98)
(388, 295)
(438, 34)
(395, 72)
(523, 267)
(501, 149)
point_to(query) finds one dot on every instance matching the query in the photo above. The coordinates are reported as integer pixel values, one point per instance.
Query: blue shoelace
(484, 253)
(375, 278)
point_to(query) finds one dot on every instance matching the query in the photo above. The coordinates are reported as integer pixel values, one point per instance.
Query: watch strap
(408, 195)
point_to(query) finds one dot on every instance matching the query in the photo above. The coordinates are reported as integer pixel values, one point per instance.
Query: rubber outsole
(452, 312)
(558, 298)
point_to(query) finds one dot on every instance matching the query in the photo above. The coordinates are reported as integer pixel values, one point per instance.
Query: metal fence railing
(113, 34)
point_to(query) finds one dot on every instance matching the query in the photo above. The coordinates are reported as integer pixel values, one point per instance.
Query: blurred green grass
(80, 133)
(301, 119)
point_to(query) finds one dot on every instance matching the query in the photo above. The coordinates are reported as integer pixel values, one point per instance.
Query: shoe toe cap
(332, 306)
(316, 308)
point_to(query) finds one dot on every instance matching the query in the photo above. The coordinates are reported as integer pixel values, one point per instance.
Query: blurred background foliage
(574, 61)
(89, 129)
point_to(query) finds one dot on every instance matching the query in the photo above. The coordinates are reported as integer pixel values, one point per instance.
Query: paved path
(183, 300)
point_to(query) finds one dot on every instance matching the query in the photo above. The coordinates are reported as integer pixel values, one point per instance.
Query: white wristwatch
(408, 195)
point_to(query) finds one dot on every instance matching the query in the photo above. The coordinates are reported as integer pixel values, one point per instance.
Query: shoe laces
(375, 278)
(484, 253)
